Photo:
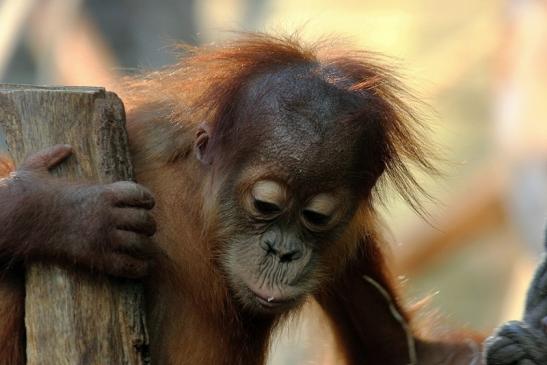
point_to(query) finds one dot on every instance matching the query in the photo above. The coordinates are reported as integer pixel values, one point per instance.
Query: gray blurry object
(137, 30)
(523, 342)
(527, 201)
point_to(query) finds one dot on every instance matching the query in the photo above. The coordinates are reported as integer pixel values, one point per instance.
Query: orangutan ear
(201, 143)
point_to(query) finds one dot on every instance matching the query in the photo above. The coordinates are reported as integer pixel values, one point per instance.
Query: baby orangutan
(263, 157)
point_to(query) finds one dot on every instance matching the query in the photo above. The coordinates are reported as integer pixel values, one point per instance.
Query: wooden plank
(75, 317)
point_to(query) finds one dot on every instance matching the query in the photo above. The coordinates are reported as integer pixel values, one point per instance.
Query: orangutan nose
(284, 254)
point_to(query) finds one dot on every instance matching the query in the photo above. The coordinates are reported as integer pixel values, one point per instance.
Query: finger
(47, 158)
(126, 266)
(127, 193)
(132, 243)
(133, 219)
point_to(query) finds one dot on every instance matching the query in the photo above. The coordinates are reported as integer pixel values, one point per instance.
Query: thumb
(47, 158)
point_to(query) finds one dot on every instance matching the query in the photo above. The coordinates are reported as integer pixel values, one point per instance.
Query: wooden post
(75, 317)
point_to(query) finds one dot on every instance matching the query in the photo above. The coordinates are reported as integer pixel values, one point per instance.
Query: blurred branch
(13, 15)
(520, 127)
(67, 47)
(452, 58)
(478, 208)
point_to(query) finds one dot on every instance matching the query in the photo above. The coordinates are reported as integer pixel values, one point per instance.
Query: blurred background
(480, 66)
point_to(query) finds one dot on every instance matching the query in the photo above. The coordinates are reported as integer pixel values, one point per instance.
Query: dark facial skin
(289, 193)
(274, 253)
(105, 228)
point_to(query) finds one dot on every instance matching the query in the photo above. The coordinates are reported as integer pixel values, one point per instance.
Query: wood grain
(74, 317)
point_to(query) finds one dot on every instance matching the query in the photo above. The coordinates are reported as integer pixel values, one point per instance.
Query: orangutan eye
(266, 208)
(315, 218)
(319, 211)
(268, 197)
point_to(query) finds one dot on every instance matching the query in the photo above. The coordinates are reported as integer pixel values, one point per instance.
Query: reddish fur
(349, 300)
(204, 86)
(12, 330)
(12, 303)
(192, 317)
(6, 166)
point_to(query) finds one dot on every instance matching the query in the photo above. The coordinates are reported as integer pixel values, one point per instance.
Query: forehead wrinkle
(297, 120)
(304, 86)
(304, 153)
(296, 117)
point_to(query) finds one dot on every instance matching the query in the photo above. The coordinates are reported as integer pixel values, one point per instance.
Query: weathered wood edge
(54, 294)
